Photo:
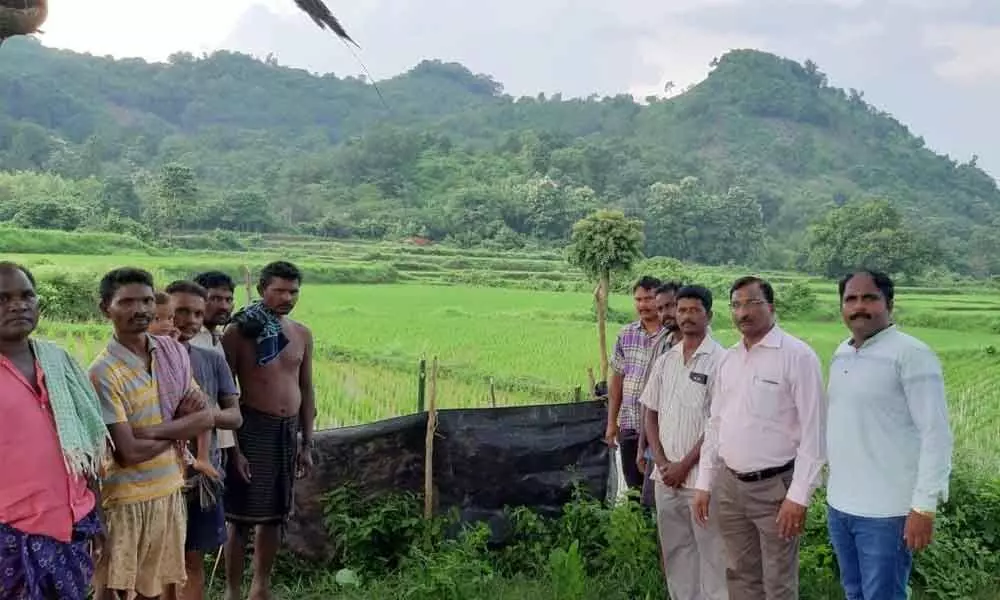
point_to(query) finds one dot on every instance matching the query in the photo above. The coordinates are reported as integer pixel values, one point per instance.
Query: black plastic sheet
(484, 459)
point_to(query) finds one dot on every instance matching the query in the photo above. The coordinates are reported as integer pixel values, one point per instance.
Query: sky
(933, 64)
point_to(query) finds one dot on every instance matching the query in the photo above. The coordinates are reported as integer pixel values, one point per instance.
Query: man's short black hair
(162, 298)
(122, 277)
(882, 281)
(765, 287)
(697, 292)
(279, 270)
(11, 266)
(215, 279)
(669, 287)
(187, 287)
(646, 282)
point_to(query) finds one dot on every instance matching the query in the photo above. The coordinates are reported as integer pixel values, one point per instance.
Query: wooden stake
(593, 383)
(247, 282)
(493, 394)
(215, 567)
(602, 322)
(429, 442)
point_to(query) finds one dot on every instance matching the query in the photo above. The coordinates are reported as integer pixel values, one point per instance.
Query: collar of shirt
(119, 351)
(874, 338)
(773, 339)
(638, 327)
(39, 383)
(705, 347)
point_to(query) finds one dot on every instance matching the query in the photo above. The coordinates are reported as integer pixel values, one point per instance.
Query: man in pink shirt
(764, 448)
(52, 445)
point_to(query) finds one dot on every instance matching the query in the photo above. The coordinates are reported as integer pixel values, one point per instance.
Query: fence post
(577, 394)
(421, 384)
(429, 445)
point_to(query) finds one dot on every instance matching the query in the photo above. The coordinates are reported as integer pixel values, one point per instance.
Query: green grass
(348, 393)
(536, 347)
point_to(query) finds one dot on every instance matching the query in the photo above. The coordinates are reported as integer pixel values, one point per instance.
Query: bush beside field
(385, 549)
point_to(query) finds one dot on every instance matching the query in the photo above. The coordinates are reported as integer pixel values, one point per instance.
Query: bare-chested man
(271, 356)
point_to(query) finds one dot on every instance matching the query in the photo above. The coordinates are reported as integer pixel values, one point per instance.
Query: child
(163, 325)
(163, 322)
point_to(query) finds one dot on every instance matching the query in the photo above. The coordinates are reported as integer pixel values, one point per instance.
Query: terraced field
(536, 346)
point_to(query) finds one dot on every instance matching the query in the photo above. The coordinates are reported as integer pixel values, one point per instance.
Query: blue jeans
(873, 558)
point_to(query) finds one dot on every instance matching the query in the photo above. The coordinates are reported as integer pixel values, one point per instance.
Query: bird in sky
(25, 17)
(323, 18)
(21, 17)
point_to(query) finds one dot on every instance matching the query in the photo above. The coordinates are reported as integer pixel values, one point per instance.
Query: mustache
(137, 318)
(860, 315)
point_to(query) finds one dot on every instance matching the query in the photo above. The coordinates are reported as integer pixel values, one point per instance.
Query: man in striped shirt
(678, 398)
(632, 354)
(141, 491)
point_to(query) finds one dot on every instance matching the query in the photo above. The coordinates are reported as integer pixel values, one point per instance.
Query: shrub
(594, 551)
(41, 241)
(796, 299)
(67, 295)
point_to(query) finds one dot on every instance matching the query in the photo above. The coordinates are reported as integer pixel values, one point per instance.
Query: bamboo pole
(429, 442)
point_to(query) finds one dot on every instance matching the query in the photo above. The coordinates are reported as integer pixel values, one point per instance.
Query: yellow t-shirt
(129, 394)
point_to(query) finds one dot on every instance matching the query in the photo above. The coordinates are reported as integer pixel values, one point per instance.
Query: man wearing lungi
(52, 444)
(271, 356)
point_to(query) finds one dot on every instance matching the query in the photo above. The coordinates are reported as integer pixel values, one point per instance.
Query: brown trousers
(762, 565)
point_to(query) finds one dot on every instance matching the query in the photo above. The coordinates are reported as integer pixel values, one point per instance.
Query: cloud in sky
(972, 55)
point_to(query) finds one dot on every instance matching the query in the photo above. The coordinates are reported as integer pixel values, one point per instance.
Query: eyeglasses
(747, 303)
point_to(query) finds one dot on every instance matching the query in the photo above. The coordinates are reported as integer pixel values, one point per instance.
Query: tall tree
(688, 222)
(866, 234)
(176, 198)
(604, 243)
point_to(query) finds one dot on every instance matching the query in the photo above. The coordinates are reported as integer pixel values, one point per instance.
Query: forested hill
(206, 143)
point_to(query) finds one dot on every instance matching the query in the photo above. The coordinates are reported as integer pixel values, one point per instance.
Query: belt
(763, 473)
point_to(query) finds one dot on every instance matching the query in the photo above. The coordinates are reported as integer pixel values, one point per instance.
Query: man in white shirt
(764, 448)
(677, 400)
(888, 428)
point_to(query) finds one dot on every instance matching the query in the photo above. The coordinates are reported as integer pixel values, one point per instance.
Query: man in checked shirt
(632, 355)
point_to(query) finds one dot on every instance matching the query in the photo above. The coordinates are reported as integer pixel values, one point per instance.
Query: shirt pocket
(695, 391)
(766, 398)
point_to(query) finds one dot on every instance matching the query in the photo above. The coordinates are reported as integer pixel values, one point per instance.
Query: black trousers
(628, 444)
